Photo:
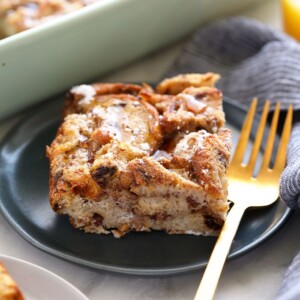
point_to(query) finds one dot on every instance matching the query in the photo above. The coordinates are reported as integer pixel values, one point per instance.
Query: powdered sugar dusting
(87, 91)
(192, 104)
(145, 147)
(192, 232)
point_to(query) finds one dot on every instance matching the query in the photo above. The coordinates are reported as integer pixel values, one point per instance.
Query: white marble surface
(256, 275)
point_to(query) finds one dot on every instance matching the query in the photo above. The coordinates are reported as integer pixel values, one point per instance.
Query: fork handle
(217, 259)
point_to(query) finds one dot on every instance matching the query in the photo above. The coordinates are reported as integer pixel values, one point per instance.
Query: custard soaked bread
(131, 158)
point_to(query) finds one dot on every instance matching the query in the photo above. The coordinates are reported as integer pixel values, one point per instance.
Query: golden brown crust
(133, 159)
(8, 287)
(84, 97)
(177, 84)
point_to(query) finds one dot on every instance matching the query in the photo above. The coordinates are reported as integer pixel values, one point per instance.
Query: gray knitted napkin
(290, 289)
(254, 61)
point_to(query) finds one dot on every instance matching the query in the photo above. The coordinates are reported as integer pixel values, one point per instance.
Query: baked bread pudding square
(132, 158)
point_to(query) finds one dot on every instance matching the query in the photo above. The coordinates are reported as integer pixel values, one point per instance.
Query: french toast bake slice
(131, 158)
(8, 287)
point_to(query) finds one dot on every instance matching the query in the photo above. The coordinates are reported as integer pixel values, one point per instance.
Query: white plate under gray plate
(37, 283)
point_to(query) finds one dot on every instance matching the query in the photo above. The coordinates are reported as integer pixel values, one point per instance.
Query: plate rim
(69, 285)
(133, 270)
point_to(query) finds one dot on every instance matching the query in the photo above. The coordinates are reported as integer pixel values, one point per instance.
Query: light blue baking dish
(44, 61)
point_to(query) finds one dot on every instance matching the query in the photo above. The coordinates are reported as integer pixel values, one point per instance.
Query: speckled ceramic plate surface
(24, 202)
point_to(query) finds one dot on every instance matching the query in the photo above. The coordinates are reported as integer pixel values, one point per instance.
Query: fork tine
(285, 136)
(271, 138)
(259, 136)
(244, 135)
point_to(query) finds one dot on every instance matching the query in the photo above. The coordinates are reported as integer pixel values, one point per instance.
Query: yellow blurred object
(291, 17)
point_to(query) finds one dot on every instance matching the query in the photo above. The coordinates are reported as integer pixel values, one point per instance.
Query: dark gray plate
(24, 202)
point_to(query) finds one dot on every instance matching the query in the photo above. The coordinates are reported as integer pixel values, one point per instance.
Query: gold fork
(245, 190)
